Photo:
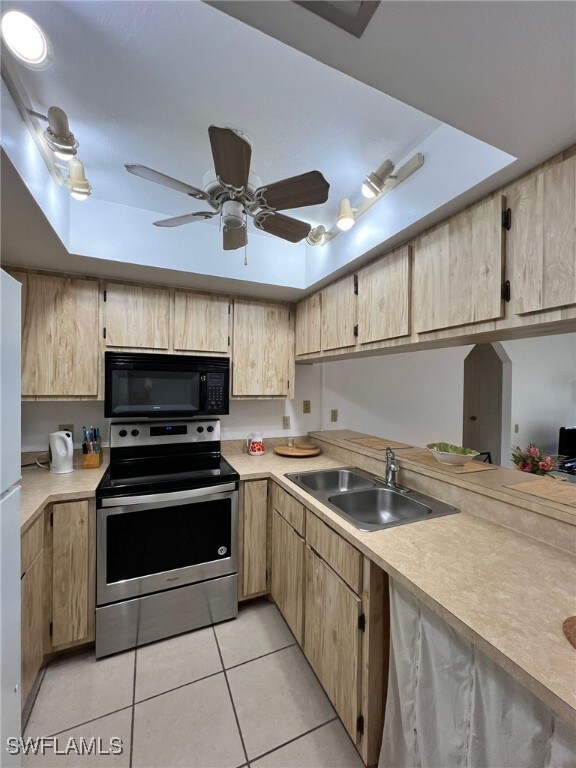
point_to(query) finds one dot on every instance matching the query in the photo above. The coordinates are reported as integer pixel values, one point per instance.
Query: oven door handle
(153, 498)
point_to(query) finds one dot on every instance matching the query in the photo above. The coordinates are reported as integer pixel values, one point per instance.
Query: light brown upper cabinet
(263, 350)
(542, 240)
(201, 322)
(60, 336)
(339, 314)
(458, 268)
(137, 316)
(308, 325)
(384, 298)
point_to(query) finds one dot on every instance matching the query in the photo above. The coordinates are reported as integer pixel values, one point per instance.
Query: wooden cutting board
(377, 443)
(454, 469)
(546, 488)
(297, 451)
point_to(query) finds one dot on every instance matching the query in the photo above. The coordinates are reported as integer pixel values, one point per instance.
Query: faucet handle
(390, 455)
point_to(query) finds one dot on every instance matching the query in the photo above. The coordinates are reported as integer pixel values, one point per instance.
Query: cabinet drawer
(31, 543)
(290, 509)
(341, 556)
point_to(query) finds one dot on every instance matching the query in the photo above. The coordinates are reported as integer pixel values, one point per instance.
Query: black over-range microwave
(158, 386)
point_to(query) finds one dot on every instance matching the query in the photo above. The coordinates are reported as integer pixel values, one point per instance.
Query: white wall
(414, 397)
(417, 397)
(543, 388)
(41, 418)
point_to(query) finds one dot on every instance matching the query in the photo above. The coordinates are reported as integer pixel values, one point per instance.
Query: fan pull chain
(246, 243)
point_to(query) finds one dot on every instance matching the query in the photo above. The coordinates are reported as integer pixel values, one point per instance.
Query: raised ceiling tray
(297, 451)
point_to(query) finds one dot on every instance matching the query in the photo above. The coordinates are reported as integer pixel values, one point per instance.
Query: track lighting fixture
(315, 236)
(58, 135)
(345, 218)
(77, 182)
(374, 183)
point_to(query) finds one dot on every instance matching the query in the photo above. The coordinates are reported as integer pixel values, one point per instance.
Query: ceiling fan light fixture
(373, 184)
(345, 220)
(58, 135)
(232, 214)
(25, 39)
(76, 182)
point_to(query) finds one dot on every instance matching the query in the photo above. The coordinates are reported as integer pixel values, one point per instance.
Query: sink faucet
(391, 469)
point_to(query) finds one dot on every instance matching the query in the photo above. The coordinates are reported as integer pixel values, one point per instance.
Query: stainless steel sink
(332, 480)
(363, 500)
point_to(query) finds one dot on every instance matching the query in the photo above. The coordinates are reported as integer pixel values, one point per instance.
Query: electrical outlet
(334, 415)
(66, 428)
(306, 407)
(516, 429)
(285, 422)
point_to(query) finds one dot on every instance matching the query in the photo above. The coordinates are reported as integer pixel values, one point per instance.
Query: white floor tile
(259, 629)
(277, 698)
(191, 727)
(115, 726)
(78, 688)
(326, 747)
(179, 660)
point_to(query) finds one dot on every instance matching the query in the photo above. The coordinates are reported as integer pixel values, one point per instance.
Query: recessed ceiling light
(25, 40)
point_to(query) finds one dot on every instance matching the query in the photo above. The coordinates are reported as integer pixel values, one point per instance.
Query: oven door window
(155, 391)
(154, 541)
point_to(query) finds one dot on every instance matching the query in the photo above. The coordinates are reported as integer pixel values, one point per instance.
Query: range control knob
(199, 429)
(122, 433)
(135, 432)
(210, 429)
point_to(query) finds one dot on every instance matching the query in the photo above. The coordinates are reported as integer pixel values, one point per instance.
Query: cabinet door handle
(472, 418)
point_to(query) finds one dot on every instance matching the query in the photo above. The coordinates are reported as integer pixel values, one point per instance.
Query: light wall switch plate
(334, 415)
(306, 406)
(516, 429)
(285, 422)
(66, 428)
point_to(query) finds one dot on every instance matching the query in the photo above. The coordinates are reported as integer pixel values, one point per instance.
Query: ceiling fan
(233, 197)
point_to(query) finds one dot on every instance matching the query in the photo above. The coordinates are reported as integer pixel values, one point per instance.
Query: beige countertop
(506, 592)
(40, 488)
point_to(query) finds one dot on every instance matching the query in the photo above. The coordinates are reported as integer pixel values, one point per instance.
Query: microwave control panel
(216, 394)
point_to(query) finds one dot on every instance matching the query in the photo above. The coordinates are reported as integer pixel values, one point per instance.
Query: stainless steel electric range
(166, 533)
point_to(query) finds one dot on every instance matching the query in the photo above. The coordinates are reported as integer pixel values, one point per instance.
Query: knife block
(91, 460)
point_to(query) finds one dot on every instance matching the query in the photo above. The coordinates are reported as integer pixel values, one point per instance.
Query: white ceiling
(141, 82)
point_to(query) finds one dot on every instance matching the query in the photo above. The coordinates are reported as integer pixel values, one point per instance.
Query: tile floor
(238, 694)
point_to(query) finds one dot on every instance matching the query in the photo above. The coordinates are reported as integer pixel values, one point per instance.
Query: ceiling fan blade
(188, 218)
(282, 226)
(234, 238)
(231, 154)
(296, 192)
(167, 181)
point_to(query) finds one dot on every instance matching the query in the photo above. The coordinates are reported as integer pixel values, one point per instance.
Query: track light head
(77, 182)
(58, 135)
(345, 218)
(374, 183)
(315, 236)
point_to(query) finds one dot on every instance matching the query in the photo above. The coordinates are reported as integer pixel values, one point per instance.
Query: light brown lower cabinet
(334, 599)
(57, 585)
(332, 642)
(70, 573)
(287, 583)
(33, 625)
(253, 567)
